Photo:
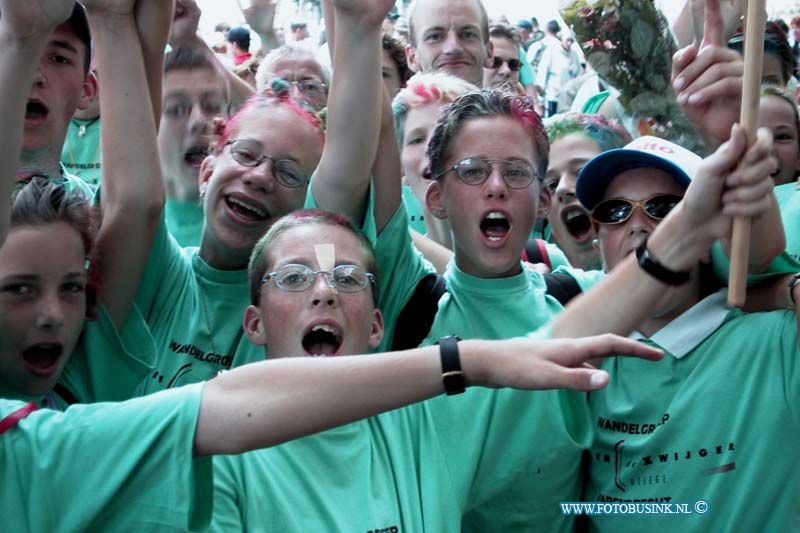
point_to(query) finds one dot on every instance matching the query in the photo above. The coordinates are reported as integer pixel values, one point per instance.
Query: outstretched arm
(265, 404)
(24, 30)
(341, 181)
(132, 197)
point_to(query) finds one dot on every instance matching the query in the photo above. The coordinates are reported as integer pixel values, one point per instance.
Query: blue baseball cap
(644, 152)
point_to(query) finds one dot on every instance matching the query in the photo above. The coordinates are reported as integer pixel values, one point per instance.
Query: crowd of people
(248, 289)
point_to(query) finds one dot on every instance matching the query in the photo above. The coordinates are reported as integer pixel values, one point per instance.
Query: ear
(489, 55)
(206, 170)
(252, 325)
(376, 334)
(89, 91)
(434, 200)
(545, 200)
(411, 58)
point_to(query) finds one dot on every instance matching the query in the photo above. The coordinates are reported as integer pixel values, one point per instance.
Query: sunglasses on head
(618, 210)
(513, 64)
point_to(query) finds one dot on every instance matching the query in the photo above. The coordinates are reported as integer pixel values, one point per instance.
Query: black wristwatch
(650, 265)
(452, 375)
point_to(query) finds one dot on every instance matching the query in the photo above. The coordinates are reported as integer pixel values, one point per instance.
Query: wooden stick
(755, 19)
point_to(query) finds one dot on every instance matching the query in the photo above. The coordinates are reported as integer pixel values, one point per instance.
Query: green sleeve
(557, 257)
(367, 225)
(783, 264)
(586, 278)
(401, 267)
(165, 267)
(228, 503)
(107, 467)
(526, 72)
(107, 364)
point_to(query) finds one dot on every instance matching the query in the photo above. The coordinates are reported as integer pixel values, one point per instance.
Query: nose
(504, 70)
(199, 122)
(565, 190)
(261, 177)
(39, 79)
(322, 292)
(639, 222)
(453, 44)
(495, 186)
(50, 314)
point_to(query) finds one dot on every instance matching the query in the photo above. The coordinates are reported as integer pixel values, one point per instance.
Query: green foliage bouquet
(629, 44)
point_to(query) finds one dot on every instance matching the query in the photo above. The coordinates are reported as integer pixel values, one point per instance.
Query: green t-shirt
(106, 365)
(106, 467)
(185, 221)
(526, 76)
(416, 219)
(786, 263)
(715, 420)
(82, 154)
(195, 314)
(499, 309)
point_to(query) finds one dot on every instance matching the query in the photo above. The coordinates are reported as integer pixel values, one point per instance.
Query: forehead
(29, 248)
(193, 81)
(496, 137)
(65, 35)
(423, 116)
(573, 146)
(504, 48)
(296, 68)
(641, 183)
(772, 69)
(282, 133)
(296, 244)
(446, 14)
(775, 109)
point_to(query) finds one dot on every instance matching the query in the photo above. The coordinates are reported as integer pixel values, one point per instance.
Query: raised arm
(260, 16)
(264, 404)
(132, 197)
(732, 181)
(153, 21)
(341, 181)
(24, 30)
(184, 33)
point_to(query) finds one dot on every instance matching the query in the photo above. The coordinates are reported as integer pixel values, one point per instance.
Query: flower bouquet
(629, 44)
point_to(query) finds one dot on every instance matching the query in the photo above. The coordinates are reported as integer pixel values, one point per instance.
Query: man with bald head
(449, 36)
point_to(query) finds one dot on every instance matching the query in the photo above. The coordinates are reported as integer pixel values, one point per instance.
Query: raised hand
(708, 81)
(260, 15)
(184, 22)
(372, 12)
(33, 18)
(110, 7)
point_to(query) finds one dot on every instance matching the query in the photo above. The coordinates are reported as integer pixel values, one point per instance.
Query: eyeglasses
(182, 107)
(513, 63)
(298, 278)
(249, 153)
(618, 210)
(475, 170)
(309, 88)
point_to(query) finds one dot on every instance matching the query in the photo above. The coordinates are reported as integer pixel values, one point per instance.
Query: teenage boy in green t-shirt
(706, 421)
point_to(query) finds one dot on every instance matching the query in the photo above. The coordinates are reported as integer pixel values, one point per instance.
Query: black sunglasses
(513, 64)
(618, 210)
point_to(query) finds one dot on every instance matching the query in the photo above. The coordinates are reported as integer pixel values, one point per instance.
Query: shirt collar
(686, 332)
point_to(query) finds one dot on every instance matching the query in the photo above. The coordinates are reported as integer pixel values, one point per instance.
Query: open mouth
(245, 209)
(322, 340)
(195, 155)
(577, 222)
(42, 358)
(495, 226)
(35, 110)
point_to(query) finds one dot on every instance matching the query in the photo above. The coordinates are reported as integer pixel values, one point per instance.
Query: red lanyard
(11, 420)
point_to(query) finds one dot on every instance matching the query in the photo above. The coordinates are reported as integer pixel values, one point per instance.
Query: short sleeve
(100, 467)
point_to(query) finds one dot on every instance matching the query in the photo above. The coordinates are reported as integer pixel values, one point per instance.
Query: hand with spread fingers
(708, 81)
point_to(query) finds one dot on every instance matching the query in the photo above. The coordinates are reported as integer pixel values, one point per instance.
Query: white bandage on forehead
(326, 256)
